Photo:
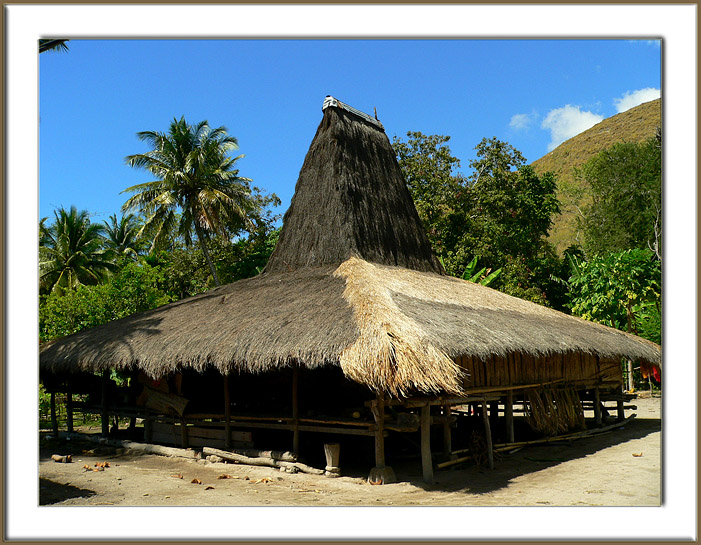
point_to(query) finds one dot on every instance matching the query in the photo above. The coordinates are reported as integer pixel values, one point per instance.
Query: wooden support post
(494, 415)
(509, 416)
(295, 409)
(148, 426)
(54, 418)
(597, 407)
(380, 474)
(379, 414)
(332, 451)
(227, 413)
(69, 408)
(447, 435)
(183, 433)
(426, 461)
(488, 434)
(105, 413)
(621, 414)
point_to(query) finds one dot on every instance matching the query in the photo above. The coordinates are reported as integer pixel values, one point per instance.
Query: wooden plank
(426, 461)
(205, 433)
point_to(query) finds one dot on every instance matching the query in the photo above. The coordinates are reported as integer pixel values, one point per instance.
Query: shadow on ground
(51, 492)
(530, 459)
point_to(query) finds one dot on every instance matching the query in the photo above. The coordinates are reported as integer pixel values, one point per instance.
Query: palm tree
(196, 186)
(71, 252)
(52, 45)
(122, 235)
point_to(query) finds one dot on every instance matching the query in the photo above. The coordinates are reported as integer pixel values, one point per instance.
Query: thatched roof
(352, 283)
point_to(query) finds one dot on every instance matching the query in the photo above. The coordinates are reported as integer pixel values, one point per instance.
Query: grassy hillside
(635, 125)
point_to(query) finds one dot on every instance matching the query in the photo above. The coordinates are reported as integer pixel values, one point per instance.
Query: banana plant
(484, 276)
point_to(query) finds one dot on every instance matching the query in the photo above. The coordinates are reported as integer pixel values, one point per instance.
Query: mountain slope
(634, 125)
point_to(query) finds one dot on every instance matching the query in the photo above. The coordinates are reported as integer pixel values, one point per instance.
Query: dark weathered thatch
(351, 200)
(352, 283)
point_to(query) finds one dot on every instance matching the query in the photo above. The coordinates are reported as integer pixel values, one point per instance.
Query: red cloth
(656, 374)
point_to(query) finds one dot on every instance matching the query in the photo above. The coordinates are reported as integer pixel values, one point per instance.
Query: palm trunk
(205, 251)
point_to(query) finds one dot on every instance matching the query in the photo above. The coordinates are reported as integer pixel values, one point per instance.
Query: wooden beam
(488, 434)
(426, 461)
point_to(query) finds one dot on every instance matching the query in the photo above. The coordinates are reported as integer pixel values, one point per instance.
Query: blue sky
(268, 93)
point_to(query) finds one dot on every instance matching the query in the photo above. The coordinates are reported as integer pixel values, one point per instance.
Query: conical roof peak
(351, 200)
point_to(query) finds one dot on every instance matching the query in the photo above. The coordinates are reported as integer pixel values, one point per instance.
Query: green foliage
(620, 289)
(427, 165)
(501, 213)
(625, 184)
(186, 273)
(71, 252)
(197, 189)
(634, 125)
(507, 212)
(122, 236)
(482, 276)
(133, 289)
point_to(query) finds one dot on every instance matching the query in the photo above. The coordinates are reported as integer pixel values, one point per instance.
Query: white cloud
(634, 98)
(566, 122)
(523, 121)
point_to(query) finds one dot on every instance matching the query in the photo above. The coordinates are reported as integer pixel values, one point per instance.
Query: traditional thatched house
(353, 310)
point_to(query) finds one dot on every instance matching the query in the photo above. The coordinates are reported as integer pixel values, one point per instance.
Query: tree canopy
(624, 184)
(71, 252)
(196, 190)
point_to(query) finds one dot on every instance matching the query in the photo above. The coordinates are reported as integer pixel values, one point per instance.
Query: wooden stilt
(54, 418)
(380, 474)
(597, 407)
(509, 416)
(69, 408)
(295, 409)
(494, 415)
(447, 435)
(332, 451)
(148, 426)
(105, 414)
(488, 434)
(621, 414)
(183, 432)
(426, 461)
(227, 413)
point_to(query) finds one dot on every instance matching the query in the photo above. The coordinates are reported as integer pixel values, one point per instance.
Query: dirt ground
(621, 467)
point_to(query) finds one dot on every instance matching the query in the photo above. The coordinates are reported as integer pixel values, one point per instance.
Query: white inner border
(675, 24)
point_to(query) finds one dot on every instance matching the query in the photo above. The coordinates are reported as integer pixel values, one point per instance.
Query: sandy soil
(620, 467)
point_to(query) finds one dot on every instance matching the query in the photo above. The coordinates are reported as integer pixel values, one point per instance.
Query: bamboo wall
(580, 369)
